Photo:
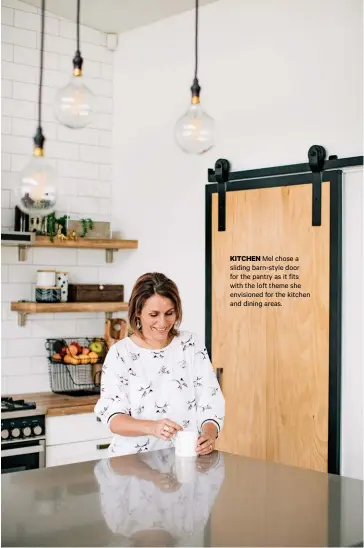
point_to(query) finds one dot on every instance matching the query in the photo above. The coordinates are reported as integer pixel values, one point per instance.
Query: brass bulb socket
(38, 152)
(77, 72)
(195, 100)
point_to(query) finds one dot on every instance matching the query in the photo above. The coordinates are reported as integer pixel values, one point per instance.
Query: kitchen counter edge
(57, 405)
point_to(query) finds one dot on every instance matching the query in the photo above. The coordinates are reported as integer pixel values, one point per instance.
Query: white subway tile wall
(83, 160)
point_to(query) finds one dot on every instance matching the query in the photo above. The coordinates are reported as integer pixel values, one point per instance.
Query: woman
(159, 380)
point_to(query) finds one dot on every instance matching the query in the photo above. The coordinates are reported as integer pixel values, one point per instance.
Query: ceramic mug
(185, 442)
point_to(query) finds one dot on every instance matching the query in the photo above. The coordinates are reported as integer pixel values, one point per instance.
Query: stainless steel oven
(23, 442)
(22, 455)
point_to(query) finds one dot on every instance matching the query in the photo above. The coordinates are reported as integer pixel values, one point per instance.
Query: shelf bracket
(110, 255)
(22, 253)
(22, 316)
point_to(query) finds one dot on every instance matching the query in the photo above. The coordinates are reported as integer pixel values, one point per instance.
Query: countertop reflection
(155, 499)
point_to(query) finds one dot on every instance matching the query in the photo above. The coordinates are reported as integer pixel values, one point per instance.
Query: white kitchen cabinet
(82, 451)
(74, 428)
(75, 438)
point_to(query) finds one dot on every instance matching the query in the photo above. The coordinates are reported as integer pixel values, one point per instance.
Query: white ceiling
(118, 16)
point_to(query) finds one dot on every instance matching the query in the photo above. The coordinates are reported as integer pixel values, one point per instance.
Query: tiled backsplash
(84, 164)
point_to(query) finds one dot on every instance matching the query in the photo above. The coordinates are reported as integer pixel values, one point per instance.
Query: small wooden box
(95, 293)
(100, 229)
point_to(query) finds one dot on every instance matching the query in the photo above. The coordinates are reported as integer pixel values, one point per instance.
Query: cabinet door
(69, 453)
(75, 428)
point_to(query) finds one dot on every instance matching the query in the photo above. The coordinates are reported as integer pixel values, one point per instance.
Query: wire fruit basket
(74, 365)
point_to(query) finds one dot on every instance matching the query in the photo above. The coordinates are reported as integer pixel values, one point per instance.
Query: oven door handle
(22, 451)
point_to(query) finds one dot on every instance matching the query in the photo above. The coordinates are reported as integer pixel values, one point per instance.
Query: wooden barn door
(273, 319)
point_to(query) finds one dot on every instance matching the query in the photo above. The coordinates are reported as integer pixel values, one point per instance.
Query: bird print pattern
(161, 409)
(143, 447)
(146, 390)
(203, 353)
(123, 381)
(177, 383)
(140, 410)
(197, 382)
(159, 355)
(164, 370)
(180, 383)
(119, 356)
(205, 408)
(188, 343)
(191, 405)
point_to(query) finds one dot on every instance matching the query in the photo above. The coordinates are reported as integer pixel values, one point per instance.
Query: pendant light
(38, 181)
(74, 104)
(194, 131)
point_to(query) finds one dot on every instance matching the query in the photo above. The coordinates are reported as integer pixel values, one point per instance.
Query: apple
(85, 351)
(77, 345)
(73, 349)
(96, 347)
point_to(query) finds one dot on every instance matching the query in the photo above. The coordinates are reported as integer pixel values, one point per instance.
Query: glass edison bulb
(195, 130)
(37, 195)
(74, 105)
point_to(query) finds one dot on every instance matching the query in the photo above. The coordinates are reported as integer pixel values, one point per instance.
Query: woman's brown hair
(153, 283)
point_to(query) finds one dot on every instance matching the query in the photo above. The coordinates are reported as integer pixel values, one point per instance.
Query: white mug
(185, 442)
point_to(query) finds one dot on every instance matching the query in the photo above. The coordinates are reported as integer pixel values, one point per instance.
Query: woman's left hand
(206, 442)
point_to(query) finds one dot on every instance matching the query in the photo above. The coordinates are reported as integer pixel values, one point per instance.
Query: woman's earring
(138, 324)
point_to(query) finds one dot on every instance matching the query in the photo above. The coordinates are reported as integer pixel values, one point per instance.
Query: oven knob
(37, 430)
(4, 434)
(15, 433)
(27, 431)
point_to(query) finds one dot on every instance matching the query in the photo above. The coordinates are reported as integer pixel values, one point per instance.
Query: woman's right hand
(164, 429)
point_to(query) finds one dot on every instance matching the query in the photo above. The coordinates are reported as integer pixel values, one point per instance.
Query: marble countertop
(154, 499)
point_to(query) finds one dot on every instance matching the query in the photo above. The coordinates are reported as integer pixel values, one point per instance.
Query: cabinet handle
(23, 451)
(219, 371)
(102, 446)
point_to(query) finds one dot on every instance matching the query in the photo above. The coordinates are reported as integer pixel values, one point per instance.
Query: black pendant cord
(39, 137)
(78, 24)
(78, 60)
(195, 88)
(196, 38)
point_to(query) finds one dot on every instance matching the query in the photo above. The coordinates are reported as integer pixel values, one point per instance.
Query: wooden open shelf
(30, 307)
(44, 241)
(110, 245)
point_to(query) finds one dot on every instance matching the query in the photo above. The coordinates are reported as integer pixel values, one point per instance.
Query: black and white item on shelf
(62, 283)
(48, 294)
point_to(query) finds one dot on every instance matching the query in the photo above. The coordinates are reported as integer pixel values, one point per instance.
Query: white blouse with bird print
(177, 383)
